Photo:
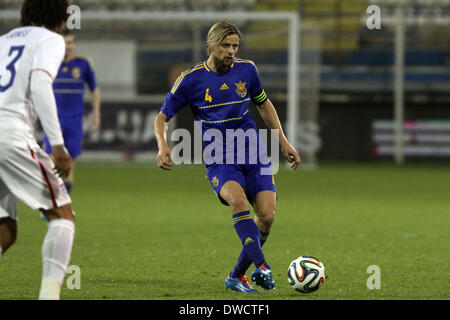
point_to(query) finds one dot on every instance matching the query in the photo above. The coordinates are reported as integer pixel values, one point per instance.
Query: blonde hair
(220, 31)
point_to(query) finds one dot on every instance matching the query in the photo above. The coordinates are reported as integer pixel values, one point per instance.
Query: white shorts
(27, 174)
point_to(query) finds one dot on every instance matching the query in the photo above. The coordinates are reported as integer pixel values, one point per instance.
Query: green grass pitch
(144, 233)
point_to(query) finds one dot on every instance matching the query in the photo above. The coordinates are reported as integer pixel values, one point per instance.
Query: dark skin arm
(62, 160)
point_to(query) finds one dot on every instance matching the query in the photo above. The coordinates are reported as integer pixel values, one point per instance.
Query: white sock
(56, 251)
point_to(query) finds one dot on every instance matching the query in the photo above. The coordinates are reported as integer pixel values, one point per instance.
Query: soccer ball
(306, 274)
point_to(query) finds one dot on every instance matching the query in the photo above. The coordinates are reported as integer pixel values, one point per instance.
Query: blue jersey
(218, 100)
(69, 86)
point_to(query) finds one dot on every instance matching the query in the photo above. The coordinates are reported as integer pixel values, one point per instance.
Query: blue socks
(249, 233)
(244, 261)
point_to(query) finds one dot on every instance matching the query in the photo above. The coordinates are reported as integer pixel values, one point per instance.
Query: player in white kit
(30, 57)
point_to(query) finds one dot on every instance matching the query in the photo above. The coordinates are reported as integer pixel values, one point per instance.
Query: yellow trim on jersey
(226, 120)
(183, 74)
(239, 60)
(86, 58)
(206, 66)
(223, 104)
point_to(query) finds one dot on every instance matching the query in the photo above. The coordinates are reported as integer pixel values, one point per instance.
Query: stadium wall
(353, 131)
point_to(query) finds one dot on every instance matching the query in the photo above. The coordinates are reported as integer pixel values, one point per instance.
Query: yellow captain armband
(260, 99)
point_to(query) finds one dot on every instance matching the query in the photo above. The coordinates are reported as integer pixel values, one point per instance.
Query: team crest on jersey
(76, 72)
(215, 181)
(241, 89)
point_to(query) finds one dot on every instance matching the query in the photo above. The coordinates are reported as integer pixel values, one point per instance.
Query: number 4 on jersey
(207, 96)
(12, 66)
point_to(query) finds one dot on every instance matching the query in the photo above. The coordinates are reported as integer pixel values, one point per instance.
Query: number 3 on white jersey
(11, 67)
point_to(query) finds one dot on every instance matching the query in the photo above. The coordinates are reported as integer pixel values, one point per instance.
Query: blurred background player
(219, 91)
(29, 60)
(68, 87)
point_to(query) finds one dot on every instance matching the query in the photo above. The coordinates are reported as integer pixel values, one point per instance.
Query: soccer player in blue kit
(74, 72)
(219, 92)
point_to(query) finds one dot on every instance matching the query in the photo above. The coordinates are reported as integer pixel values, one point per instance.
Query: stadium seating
(348, 48)
(150, 4)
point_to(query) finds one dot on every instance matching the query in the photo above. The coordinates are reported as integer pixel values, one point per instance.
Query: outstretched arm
(269, 115)
(165, 153)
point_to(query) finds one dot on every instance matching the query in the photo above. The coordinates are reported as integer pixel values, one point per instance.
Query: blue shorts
(248, 176)
(72, 130)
